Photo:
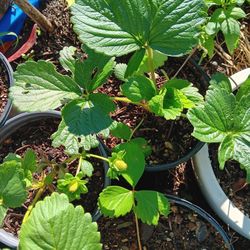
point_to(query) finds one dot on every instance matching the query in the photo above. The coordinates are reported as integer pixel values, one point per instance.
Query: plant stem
(125, 99)
(139, 124)
(97, 157)
(151, 63)
(79, 166)
(32, 205)
(138, 232)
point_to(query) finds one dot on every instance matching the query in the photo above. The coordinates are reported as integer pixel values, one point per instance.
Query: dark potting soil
(36, 136)
(3, 88)
(182, 229)
(232, 180)
(170, 140)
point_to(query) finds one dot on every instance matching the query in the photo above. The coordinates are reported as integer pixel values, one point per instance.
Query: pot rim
(11, 126)
(7, 108)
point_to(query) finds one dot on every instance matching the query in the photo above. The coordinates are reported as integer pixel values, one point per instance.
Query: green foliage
(223, 19)
(52, 219)
(38, 87)
(86, 167)
(115, 201)
(168, 26)
(150, 205)
(3, 211)
(120, 130)
(72, 186)
(225, 119)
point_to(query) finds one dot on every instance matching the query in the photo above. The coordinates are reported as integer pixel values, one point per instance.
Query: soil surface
(232, 180)
(36, 136)
(3, 88)
(182, 229)
(170, 140)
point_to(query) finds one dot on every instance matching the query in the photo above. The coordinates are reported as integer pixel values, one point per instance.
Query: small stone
(124, 240)
(168, 239)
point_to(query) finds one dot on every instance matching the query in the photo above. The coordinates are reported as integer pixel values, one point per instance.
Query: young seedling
(225, 118)
(116, 201)
(225, 19)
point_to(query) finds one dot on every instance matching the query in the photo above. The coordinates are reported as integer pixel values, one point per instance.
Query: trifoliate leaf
(12, 186)
(139, 88)
(72, 142)
(94, 71)
(67, 59)
(136, 162)
(134, 62)
(56, 224)
(72, 186)
(38, 87)
(150, 205)
(3, 212)
(225, 120)
(115, 201)
(121, 130)
(169, 26)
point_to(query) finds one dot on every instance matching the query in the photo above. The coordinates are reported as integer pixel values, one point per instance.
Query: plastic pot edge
(4, 115)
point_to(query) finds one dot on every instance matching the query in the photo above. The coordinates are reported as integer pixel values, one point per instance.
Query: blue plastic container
(13, 21)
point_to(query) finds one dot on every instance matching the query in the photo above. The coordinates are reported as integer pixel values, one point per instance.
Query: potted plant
(6, 81)
(232, 113)
(150, 207)
(156, 31)
(39, 170)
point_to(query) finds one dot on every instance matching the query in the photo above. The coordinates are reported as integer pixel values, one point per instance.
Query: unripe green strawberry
(73, 186)
(120, 165)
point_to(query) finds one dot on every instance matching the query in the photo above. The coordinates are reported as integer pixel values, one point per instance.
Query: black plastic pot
(204, 215)
(4, 62)
(9, 128)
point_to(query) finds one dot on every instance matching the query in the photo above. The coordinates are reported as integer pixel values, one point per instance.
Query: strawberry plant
(225, 19)
(224, 118)
(116, 201)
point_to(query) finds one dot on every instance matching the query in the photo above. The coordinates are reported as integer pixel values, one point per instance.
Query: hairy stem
(32, 205)
(134, 130)
(138, 232)
(97, 157)
(151, 63)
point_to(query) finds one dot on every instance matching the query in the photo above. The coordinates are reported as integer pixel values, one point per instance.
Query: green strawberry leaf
(72, 142)
(150, 205)
(3, 212)
(139, 88)
(235, 12)
(88, 117)
(12, 186)
(158, 61)
(134, 62)
(143, 144)
(115, 201)
(54, 223)
(225, 120)
(219, 80)
(67, 59)
(120, 70)
(91, 75)
(87, 168)
(38, 87)
(29, 161)
(167, 103)
(121, 130)
(169, 26)
(135, 162)
(231, 31)
(244, 88)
